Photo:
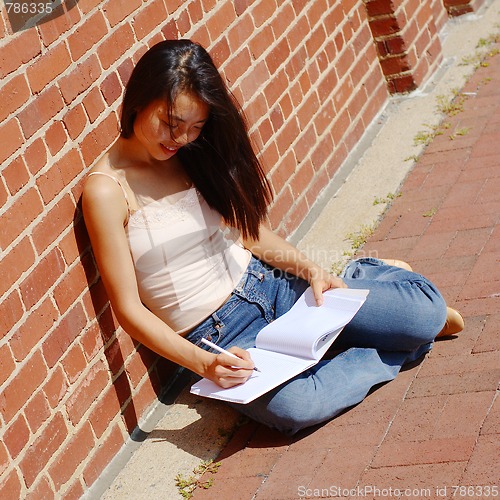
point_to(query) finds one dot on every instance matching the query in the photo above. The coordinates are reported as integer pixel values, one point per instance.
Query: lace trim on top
(161, 212)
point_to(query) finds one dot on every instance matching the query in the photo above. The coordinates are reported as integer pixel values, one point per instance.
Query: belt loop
(218, 323)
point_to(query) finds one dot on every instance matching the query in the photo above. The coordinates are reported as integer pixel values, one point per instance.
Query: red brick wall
(406, 33)
(459, 7)
(438, 14)
(72, 383)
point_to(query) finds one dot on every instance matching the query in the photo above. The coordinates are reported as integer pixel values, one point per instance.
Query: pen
(220, 349)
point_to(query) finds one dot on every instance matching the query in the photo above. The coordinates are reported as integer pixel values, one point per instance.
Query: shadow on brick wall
(136, 376)
(24, 14)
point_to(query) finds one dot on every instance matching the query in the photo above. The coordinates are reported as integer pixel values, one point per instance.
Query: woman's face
(163, 136)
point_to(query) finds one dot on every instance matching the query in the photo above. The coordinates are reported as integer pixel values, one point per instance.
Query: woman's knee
(397, 315)
(431, 309)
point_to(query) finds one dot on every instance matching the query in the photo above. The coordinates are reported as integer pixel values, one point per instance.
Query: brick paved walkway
(437, 425)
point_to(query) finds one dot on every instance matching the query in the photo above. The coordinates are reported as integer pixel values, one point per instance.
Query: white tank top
(187, 262)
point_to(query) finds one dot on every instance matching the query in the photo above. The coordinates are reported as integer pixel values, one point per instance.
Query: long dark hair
(221, 162)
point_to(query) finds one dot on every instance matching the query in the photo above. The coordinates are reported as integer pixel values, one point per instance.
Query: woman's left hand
(323, 281)
(277, 252)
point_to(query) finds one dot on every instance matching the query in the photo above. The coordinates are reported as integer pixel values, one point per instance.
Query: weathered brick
(111, 88)
(42, 489)
(11, 311)
(48, 68)
(56, 387)
(74, 363)
(103, 455)
(38, 454)
(41, 278)
(94, 104)
(34, 328)
(238, 65)
(99, 139)
(143, 399)
(75, 121)
(262, 11)
(59, 24)
(68, 459)
(80, 78)
(105, 410)
(148, 18)
(35, 156)
(15, 263)
(23, 385)
(13, 94)
(114, 46)
(264, 40)
(225, 16)
(19, 216)
(41, 110)
(37, 411)
(22, 49)
(7, 364)
(87, 392)
(11, 485)
(277, 56)
(12, 138)
(57, 343)
(118, 10)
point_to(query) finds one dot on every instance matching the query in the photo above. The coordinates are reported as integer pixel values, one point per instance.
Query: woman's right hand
(227, 371)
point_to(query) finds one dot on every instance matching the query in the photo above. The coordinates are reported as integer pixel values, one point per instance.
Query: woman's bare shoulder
(104, 176)
(103, 192)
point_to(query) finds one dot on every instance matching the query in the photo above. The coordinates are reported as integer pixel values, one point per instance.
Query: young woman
(175, 212)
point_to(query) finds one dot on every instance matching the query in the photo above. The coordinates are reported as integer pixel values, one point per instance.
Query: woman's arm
(105, 212)
(277, 252)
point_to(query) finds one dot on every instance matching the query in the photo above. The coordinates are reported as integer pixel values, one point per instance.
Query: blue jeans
(397, 324)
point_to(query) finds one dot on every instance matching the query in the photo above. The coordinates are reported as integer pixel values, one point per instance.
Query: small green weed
(414, 158)
(424, 137)
(430, 213)
(359, 238)
(451, 105)
(337, 267)
(460, 132)
(187, 485)
(389, 197)
(478, 59)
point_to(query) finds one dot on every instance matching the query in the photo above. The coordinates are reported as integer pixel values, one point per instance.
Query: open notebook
(291, 344)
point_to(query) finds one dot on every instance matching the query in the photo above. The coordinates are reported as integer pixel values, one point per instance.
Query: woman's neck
(131, 153)
(145, 174)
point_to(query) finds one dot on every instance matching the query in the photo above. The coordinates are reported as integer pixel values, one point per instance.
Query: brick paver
(434, 431)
